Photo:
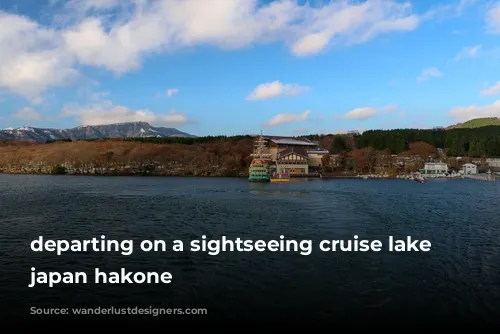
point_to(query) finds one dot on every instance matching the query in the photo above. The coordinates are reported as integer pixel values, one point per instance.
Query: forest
(216, 157)
(230, 156)
(471, 142)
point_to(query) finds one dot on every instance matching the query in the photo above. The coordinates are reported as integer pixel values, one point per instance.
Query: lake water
(458, 279)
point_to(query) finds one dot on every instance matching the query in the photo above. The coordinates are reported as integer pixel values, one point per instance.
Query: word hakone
(122, 277)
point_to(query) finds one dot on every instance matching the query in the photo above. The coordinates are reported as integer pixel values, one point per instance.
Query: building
(278, 144)
(469, 169)
(297, 156)
(293, 160)
(436, 168)
(493, 162)
(315, 157)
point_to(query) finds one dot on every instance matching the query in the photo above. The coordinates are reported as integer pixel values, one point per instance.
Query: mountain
(118, 130)
(477, 123)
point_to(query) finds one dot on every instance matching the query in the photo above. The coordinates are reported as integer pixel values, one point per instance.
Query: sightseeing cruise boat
(259, 167)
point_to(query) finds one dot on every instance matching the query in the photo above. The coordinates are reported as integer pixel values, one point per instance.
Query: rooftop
(319, 151)
(291, 141)
(297, 150)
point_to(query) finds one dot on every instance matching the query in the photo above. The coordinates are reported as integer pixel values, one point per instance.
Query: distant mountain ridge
(117, 130)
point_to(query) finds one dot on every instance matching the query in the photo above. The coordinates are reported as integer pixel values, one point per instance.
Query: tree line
(472, 142)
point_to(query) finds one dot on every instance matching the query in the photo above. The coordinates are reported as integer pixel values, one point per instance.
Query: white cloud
(430, 72)
(168, 93)
(172, 91)
(468, 52)
(275, 89)
(361, 113)
(463, 114)
(28, 114)
(31, 58)
(120, 35)
(493, 90)
(105, 112)
(493, 19)
(452, 10)
(121, 45)
(288, 118)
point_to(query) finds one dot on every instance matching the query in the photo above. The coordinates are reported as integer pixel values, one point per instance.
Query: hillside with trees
(374, 151)
(216, 156)
(471, 142)
(478, 123)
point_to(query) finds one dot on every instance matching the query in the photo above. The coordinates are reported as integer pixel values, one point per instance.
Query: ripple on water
(459, 276)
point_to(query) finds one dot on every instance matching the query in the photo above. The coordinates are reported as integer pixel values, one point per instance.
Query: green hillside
(479, 122)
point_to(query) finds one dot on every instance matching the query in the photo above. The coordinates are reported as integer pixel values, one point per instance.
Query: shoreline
(347, 177)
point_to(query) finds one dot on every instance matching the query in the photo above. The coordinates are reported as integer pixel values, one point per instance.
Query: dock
(490, 177)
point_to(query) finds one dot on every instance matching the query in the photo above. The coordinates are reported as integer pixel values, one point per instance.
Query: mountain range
(118, 130)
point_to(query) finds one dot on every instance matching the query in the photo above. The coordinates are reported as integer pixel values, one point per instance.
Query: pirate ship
(259, 167)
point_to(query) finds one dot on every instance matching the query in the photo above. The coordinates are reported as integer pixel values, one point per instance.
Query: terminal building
(295, 156)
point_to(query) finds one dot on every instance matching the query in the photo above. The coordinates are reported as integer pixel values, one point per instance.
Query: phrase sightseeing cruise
(259, 170)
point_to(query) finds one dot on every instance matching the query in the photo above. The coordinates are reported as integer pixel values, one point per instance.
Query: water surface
(458, 279)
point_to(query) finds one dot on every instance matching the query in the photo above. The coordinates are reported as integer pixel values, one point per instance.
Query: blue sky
(211, 67)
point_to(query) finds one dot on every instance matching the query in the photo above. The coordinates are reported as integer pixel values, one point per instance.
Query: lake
(458, 279)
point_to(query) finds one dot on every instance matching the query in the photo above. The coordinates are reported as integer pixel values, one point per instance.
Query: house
(293, 160)
(436, 168)
(469, 169)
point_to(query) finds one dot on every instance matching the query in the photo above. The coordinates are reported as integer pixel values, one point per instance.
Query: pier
(489, 176)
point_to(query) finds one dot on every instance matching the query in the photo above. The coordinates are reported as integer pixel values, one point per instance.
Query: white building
(469, 169)
(493, 162)
(316, 156)
(435, 168)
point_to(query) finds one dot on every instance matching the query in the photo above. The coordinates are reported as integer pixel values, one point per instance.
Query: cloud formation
(281, 119)
(493, 90)
(275, 89)
(361, 113)
(119, 35)
(168, 93)
(468, 52)
(463, 114)
(31, 58)
(105, 112)
(493, 19)
(430, 72)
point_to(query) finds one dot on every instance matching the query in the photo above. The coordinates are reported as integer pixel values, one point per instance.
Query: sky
(229, 67)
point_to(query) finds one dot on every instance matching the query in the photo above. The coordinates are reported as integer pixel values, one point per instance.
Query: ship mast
(260, 150)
